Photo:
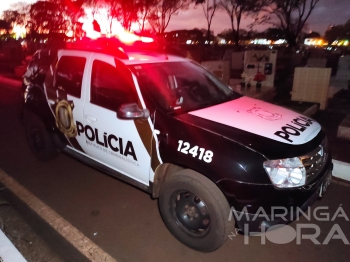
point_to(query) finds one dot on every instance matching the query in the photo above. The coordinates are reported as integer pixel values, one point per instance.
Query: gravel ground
(23, 236)
(35, 239)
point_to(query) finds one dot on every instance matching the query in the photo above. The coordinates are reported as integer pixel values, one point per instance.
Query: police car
(166, 125)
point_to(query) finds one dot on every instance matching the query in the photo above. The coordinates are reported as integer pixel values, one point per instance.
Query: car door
(118, 143)
(66, 94)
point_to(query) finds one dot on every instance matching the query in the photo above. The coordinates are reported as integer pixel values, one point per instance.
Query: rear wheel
(195, 211)
(38, 137)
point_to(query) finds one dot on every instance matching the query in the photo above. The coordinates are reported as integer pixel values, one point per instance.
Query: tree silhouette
(128, 12)
(145, 9)
(161, 13)
(288, 15)
(209, 8)
(235, 9)
(17, 15)
(335, 32)
(55, 17)
(4, 25)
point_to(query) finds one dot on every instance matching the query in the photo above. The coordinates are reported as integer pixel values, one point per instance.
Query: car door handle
(90, 118)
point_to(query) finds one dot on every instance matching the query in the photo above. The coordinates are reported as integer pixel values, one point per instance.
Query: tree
(161, 13)
(235, 9)
(55, 17)
(4, 25)
(335, 32)
(347, 30)
(92, 7)
(128, 12)
(145, 9)
(12, 17)
(110, 11)
(46, 17)
(17, 15)
(290, 16)
(274, 34)
(74, 10)
(227, 34)
(312, 35)
(209, 9)
(113, 11)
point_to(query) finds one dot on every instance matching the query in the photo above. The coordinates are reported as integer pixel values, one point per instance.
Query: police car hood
(262, 119)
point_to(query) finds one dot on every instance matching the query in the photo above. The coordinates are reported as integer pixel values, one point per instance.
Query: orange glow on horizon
(19, 31)
(107, 27)
(113, 30)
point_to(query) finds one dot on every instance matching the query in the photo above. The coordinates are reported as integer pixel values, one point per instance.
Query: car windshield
(181, 86)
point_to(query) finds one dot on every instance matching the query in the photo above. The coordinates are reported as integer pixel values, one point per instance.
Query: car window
(111, 87)
(69, 74)
(181, 86)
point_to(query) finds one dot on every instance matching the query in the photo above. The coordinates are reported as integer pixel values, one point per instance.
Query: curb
(344, 128)
(76, 238)
(341, 170)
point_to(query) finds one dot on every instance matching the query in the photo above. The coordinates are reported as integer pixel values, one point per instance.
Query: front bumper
(264, 206)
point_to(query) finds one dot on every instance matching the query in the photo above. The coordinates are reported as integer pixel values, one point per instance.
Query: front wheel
(195, 211)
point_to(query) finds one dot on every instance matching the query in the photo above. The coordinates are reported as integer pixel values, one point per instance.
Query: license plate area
(325, 184)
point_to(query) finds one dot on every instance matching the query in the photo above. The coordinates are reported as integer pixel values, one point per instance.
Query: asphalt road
(125, 222)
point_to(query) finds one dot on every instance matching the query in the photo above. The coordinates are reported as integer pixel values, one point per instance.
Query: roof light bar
(147, 39)
(130, 38)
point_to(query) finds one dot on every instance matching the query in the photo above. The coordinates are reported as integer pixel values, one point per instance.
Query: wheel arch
(35, 102)
(164, 171)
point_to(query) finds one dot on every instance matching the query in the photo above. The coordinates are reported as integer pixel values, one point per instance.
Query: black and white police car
(166, 125)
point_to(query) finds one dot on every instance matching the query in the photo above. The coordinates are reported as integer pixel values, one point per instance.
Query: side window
(69, 74)
(111, 86)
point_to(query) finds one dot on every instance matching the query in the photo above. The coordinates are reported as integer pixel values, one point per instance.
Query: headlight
(284, 173)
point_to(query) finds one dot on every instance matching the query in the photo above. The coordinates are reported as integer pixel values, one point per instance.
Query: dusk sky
(326, 12)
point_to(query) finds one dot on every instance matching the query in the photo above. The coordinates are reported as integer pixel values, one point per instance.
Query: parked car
(166, 125)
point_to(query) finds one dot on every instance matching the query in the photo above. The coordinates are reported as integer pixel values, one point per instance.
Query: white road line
(81, 242)
(8, 252)
(341, 170)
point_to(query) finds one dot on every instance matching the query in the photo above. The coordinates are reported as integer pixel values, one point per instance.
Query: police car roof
(140, 57)
(130, 53)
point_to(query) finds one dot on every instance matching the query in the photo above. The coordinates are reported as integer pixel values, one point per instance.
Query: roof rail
(111, 46)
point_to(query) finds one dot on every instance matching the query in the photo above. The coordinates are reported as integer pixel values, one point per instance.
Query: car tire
(195, 211)
(38, 137)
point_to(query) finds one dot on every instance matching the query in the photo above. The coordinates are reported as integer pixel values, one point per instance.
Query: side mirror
(132, 111)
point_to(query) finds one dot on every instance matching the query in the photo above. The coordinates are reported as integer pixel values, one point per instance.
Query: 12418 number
(205, 155)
